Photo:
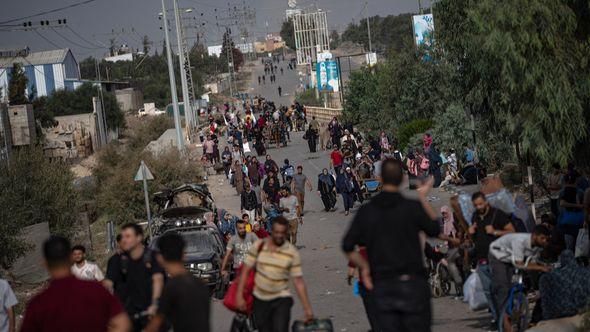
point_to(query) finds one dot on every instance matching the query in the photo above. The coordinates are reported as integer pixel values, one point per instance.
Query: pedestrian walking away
(275, 261)
(280, 91)
(71, 304)
(185, 302)
(389, 225)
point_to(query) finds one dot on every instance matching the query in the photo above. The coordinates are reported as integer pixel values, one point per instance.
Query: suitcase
(317, 325)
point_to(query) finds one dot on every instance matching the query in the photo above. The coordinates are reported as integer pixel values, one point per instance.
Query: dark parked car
(204, 249)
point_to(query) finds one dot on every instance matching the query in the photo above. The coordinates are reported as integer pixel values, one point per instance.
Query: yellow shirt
(273, 269)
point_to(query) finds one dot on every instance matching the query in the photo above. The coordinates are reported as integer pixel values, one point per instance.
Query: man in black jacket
(389, 226)
(249, 202)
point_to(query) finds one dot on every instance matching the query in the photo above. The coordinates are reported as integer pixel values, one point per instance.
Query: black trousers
(501, 282)
(402, 306)
(273, 315)
(369, 308)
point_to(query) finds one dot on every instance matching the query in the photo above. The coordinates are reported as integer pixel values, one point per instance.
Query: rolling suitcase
(316, 325)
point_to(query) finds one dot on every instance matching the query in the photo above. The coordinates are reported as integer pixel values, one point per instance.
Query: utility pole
(171, 76)
(230, 61)
(183, 75)
(368, 25)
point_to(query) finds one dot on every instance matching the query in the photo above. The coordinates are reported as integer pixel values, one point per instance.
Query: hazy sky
(95, 20)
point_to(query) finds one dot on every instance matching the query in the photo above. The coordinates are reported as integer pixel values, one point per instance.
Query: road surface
(324, 265)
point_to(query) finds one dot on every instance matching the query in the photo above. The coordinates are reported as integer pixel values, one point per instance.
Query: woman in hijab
(239, 177)
(327, 189)
(449, 229)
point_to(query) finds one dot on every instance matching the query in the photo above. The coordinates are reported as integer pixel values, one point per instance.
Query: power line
(45, 38)
(72, 42)
(50, 11)
(82, 38)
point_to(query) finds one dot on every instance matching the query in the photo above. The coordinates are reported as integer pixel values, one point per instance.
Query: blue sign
(327, 76)
(423, 29)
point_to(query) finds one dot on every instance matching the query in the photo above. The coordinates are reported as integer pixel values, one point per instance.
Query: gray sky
(93, 21)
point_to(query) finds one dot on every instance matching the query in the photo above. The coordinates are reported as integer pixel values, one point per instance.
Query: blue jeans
(485, 275)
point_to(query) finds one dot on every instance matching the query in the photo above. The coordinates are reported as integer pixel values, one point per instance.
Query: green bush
(411, 129)
(119, 197)
(34, 190)
(308, 98)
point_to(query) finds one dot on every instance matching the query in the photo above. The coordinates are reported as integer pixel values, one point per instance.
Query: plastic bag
(473, 293)
(582, 243)
(240, 323)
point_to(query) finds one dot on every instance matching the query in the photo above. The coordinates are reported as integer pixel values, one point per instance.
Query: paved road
(324, 265)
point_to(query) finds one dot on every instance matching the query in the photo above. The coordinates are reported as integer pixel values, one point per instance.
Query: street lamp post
(180, 139)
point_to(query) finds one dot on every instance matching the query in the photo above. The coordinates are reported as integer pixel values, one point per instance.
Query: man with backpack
(136, 276)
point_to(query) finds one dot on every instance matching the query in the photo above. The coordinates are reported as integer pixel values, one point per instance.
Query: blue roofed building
(47, 71)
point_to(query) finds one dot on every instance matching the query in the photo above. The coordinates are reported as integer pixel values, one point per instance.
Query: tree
(363, 101)
(334, 39)
(392, 33)
(34, 190)
(17, 86)
(522, 65)
(116, 167)
(288, 33)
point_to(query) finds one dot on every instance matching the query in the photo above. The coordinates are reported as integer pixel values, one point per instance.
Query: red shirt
(70, 304)
(336, 157)
(261, 233)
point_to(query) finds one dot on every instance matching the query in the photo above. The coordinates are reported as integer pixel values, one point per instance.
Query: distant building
(46, 71)
(215, 50)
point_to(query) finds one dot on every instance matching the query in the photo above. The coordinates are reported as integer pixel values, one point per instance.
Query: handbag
(229, 300)
(240, 323)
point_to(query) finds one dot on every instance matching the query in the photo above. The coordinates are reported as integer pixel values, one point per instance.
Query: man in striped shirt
(276, 261)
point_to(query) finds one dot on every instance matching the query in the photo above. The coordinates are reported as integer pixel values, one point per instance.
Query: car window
(199, 241)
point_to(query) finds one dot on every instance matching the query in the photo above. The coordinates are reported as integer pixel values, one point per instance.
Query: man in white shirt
(514, 248)
(83, 269)
(7, 302)
(289, 206)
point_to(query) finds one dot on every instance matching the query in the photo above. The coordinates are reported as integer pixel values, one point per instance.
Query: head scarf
(449, 222)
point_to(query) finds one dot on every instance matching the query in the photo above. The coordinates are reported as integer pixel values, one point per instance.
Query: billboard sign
(423, 29)
(327, 76)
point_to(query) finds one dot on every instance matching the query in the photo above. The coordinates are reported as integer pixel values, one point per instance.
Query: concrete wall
(129, 99)
(323, 114)
(22, 124)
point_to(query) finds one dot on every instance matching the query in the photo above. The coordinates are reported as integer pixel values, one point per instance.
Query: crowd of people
(387, 244)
